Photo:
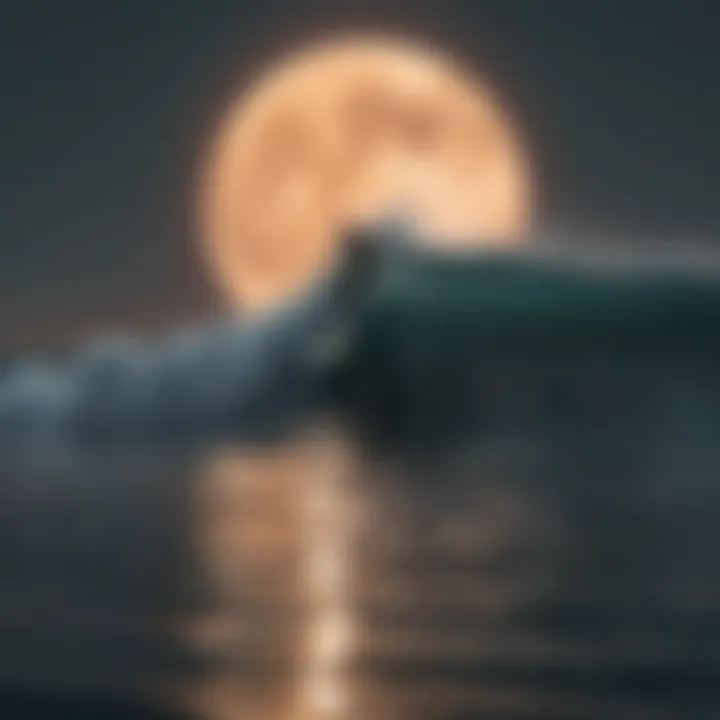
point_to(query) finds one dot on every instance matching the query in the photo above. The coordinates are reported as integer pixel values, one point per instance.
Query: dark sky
(106, 107)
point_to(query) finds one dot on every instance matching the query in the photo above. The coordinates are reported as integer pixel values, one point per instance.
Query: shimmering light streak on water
(326, 575)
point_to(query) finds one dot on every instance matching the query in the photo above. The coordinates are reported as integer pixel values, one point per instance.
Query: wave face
(553, 557)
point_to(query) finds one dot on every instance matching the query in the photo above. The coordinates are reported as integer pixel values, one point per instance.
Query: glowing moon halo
(344, 132)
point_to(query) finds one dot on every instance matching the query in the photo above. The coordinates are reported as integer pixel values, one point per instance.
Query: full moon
(342, 133)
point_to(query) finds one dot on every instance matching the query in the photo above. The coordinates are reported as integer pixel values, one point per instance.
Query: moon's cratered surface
(345, 132)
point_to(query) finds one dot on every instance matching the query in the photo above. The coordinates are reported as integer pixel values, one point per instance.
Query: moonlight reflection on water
(545, 574)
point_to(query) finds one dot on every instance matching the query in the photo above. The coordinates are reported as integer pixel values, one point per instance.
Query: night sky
(106, 108)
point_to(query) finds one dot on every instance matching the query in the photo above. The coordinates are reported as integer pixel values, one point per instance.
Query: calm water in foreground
(524, 577)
